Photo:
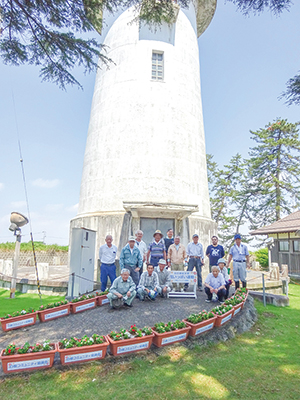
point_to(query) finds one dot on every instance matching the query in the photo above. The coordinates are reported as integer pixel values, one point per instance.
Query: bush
(262, 256)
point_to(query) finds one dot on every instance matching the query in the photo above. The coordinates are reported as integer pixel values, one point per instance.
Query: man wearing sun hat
(131, 259)
(240, 255)
(156, 249)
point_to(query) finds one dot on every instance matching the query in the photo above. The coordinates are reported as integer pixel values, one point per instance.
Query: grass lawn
(23, 301)
(261, 364)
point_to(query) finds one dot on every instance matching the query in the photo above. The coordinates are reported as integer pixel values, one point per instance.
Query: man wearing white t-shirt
(215, 283)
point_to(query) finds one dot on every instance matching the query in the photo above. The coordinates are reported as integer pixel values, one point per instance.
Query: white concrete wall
(146, 138)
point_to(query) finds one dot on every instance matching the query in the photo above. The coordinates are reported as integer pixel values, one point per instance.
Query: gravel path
(103, 320)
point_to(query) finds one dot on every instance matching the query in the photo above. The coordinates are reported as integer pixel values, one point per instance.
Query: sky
(245, 63)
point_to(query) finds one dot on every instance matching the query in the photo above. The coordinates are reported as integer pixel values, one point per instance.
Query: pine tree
(50, 33)
(274, 170)
(229, 197)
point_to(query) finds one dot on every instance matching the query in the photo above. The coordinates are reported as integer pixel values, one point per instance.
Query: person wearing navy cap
(240, 255)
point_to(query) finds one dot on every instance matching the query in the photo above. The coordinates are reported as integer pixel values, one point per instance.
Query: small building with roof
(286, 235)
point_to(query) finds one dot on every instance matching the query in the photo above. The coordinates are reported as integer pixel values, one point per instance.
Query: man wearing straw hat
(156, 249)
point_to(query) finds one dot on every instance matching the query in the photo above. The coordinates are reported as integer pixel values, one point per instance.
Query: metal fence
(27, 260)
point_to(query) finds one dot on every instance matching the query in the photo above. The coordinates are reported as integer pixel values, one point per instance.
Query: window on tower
(157, 66)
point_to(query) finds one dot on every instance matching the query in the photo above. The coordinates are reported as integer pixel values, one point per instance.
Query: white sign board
(188, 277)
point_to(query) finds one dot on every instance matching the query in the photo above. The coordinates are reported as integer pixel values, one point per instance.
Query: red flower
(9, 350)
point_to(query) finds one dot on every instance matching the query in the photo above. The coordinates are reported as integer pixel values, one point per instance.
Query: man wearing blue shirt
(214, 252)
(240, 255)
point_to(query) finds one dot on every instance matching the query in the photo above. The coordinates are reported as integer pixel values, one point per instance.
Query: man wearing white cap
(196, 258)
(131, 259)
(165, 285)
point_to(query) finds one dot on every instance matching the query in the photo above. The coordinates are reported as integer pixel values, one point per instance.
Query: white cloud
(1, 185)
(73, 208)
(45, 183)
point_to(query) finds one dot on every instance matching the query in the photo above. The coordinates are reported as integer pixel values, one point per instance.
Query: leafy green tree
(274, 170)
(229, 197)
(257, 6)
(292, 93)
(50, 33)
(46, 33)
(262, 256)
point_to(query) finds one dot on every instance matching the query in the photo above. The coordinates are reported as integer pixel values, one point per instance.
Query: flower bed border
(5, 321)
(155, 338)
(159, 337)
(100, 300)
(238, 308)
(219, 323)
(44, 358)
(99, 347)
(82, 303)
(115, 344)
(199, 325)
(42, 313)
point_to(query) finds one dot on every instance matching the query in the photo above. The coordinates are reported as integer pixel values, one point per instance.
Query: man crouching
(164, 280)
(148, 284)
(122, 292)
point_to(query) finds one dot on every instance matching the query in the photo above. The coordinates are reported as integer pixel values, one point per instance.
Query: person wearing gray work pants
(239, 271)
(133, 273)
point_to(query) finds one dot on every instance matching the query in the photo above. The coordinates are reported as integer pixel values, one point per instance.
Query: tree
(45, 33)
(275, 171)
(49, 33)
(292, 93)
(257, 6)
(229, 197)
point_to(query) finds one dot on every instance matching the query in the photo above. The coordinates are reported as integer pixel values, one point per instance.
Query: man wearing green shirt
(122, 291)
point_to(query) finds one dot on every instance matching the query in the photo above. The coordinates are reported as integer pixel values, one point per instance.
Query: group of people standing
(161, 254)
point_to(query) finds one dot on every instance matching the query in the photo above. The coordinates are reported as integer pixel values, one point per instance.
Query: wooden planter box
(83, 305)
(127, 346)
(102, 300)
(18, 322)
(82, 354)
(53, 313)
(238, 308)
(28, 361)
(163, 339)
(222, 319)
(201, 327)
